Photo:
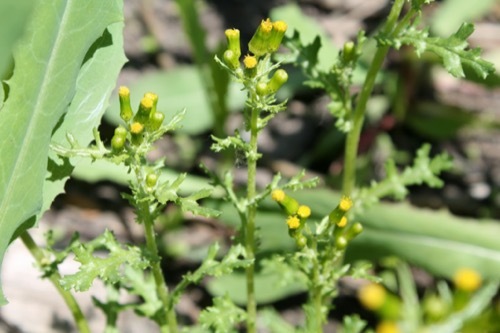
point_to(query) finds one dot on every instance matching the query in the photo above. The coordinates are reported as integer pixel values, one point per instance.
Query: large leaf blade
(47, 63)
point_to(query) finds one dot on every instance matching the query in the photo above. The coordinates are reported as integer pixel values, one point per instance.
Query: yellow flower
(343, 222)
(293, 222)
(123, 91)
(136, 128)
(372, 296)
(387, 327)
(467, 279)
(278, 195)
(304, 212)
(345, 203)
(250, 62)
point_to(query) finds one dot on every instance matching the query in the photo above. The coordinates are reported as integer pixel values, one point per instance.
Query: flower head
(304, 211)
(293, 222)
(278, 195)
(467, 279)
(345, 203)
(372, 296)
(343, 222)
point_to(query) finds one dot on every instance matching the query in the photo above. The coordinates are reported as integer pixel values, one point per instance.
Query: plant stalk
(317, 299)
(37, 253)
(250, 223)
(351, 146)
(170, 326)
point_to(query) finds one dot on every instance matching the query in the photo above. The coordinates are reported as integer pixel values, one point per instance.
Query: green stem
(170, 326)
(70, 301)
(351, 146)
(317, 299)
(250, 223)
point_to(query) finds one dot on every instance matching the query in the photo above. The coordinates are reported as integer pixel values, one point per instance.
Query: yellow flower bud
(343, 222)
(304, 212)
(345, 203)
(126, 112)
(145, 107)
(372, 296)
(136, 128)
(293, 222)
(387, 327)
(258, 44)
(467, 279)
(278, 195)
(279, 29)
(233, 42)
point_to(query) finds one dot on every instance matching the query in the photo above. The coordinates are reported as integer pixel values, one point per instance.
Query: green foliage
(309, 248)
(424, 171)
(13, 17)
(452, 51)
(222, 315)
(107, 268)
(57, 32)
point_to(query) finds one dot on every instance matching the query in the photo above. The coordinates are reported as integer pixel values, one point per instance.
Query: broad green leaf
(103, 170)
(452, 13)
(14, 15)
(47, 64)
(267, 288)
(178, 89)
(95, 83)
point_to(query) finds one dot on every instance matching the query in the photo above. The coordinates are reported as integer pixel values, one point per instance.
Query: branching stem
(37, 253)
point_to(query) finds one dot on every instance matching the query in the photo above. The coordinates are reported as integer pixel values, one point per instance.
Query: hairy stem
(37, 253)
(351, 146)
(170, 325)
(250, 223)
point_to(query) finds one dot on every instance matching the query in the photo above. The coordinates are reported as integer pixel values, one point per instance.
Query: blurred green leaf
(178, 89)
(104, 170)
(48, 62)
(267, 288)
(438, 122)
(452, 13)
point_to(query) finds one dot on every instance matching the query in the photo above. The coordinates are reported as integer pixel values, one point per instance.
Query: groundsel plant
(135, 269)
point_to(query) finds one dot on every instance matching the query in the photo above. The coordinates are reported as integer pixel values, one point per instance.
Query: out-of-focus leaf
(452, 13)
(48, 62)
(104, 170)
(178, 89)
(267, 288)
(438, 122)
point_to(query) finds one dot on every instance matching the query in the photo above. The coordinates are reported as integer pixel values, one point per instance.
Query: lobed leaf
(453, 51)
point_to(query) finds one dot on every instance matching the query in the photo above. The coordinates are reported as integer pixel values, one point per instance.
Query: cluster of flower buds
(338, 218)
(266, 40)
(297, 215)
(146, 120)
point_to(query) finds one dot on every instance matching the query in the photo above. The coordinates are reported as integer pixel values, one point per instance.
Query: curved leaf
(47, 63)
